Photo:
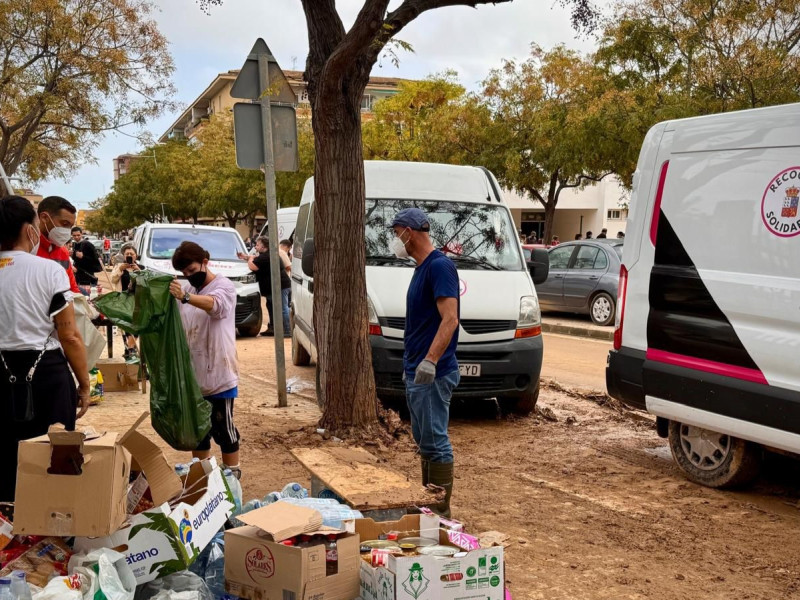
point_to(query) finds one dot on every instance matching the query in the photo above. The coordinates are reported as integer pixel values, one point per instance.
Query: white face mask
(59, 235)
(398, 247)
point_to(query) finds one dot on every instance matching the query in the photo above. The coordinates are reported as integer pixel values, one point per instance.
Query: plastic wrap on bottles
(294, 490)
(236, 490)
(183, 585)
(210, 565)
(333, 513)
(180, 414)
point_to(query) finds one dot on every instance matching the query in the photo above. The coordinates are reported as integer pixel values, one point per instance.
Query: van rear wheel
(713, 459)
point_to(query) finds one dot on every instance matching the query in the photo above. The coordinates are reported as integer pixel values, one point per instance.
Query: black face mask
(197, 280)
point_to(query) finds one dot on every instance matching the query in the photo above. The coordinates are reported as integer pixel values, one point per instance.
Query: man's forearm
(442, 339)
(205, 303)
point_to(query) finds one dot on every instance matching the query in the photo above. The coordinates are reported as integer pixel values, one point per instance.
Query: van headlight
(529, 313)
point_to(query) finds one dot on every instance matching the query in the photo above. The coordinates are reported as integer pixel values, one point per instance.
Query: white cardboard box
(476, 575)
(169, 537)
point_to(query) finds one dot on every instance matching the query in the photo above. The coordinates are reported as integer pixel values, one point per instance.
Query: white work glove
(425, 373)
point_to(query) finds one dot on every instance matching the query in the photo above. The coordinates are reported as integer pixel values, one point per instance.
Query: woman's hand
(84, 397)
(175, 289)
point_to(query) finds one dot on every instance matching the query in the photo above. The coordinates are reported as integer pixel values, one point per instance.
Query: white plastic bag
(92, 339)
(115, 578)
(65, 588)
(183, 585)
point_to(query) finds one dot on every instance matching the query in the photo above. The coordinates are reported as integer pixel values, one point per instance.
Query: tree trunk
(549, 220)
(347, 382)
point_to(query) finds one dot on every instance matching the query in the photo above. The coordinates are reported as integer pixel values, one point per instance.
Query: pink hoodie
(212, 337)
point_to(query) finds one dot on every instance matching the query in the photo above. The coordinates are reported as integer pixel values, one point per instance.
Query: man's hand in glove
(425, 373)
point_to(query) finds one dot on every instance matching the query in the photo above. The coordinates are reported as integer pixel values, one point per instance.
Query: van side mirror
(539, 265)
(307, 260)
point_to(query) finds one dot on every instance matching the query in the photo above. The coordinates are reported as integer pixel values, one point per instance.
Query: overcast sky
(471, 41)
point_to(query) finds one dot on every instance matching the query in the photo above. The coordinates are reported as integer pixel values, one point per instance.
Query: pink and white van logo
(779, 205)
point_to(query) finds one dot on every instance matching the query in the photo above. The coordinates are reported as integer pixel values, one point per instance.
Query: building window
(617, 214)
(366, 103)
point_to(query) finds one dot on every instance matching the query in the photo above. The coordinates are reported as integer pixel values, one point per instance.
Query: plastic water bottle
(294, 490)
(5, 588)
(272, 497)
(236, 490)
(19, 587)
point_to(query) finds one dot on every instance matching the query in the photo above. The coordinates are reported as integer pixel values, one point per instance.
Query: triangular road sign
(247, 85)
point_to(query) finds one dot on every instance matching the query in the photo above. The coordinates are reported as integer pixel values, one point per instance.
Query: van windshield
(221, 245)
(475, 236)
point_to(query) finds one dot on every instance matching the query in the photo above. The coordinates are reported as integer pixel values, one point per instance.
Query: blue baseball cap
(413, 218)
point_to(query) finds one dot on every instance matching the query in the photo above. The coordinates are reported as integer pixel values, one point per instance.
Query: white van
(708, 323)
(500, 343)
(287, 218)
(156, 243)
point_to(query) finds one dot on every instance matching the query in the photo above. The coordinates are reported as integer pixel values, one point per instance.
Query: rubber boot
(425, 463)
(441, 474)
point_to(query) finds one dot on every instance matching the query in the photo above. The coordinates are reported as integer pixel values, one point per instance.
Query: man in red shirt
(56, 218)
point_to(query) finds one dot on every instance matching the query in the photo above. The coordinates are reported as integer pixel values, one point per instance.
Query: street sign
(247, 85)
(248, 136)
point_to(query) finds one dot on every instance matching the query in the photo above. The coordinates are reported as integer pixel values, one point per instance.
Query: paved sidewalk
(576, 325)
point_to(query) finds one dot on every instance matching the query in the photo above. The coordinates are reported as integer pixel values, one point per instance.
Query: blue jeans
(429, 406)
(285, 301)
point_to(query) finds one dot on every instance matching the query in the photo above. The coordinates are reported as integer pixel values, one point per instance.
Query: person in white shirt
(38, 341)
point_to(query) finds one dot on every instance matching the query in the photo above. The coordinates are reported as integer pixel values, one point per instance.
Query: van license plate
(470, 370)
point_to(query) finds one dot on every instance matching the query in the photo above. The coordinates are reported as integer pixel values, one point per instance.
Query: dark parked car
(584, 277)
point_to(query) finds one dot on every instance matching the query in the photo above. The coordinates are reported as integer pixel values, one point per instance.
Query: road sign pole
(6, 181)
(272, 218)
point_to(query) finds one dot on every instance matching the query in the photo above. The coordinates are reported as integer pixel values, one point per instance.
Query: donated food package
(180, 415)
(41, 561)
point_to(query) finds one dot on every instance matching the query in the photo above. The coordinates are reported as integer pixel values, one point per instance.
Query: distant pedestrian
(620, 235)
(56, 219)
(85, 262)
(554, 242)
(208, 312)
(38, 341)
(106, 250)
(588, 235)
(603, 234)
(121, 277)
(430, 366)
(248, 243)
(578, 236)
(262, 267)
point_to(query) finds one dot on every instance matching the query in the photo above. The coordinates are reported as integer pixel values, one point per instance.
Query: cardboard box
(75, 483)
(476, 574)
(170, 537)
(258, 567)
(118, 376)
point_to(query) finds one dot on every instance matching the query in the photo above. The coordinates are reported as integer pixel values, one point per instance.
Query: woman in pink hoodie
(208, 310)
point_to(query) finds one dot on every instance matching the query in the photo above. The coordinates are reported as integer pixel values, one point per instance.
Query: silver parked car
(584, 277)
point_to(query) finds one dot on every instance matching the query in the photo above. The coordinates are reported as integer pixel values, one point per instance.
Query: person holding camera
(121, 277)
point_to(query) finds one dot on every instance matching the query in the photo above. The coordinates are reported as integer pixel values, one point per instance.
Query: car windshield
(221, 245)
(475, 236)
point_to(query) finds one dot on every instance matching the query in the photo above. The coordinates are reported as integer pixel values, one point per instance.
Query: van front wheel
(300, 356)
(602, 309)
(713, 459)
(519, 405)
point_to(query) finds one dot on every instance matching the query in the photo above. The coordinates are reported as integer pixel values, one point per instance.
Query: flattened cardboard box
(118, 376)
(170, 537)
(75, 483)
(475, 575)
(258, 567)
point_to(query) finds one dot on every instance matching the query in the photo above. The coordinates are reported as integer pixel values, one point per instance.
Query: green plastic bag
(179, 412)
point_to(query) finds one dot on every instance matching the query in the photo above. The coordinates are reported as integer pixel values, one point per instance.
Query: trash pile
(105, 517)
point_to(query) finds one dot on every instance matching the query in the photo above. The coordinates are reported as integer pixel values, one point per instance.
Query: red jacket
(59, 254)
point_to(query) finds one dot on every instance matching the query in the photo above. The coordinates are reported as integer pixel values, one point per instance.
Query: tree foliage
(70, 69)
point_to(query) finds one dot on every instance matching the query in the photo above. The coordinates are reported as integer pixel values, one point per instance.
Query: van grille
(471, 326)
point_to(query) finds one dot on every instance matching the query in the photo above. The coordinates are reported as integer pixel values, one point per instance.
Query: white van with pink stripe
(708, 321)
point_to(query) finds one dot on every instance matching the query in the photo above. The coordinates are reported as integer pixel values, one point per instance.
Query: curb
(595, 334)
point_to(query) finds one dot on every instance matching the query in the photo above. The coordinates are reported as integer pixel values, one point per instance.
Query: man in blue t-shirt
(431, 336)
